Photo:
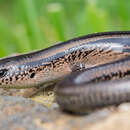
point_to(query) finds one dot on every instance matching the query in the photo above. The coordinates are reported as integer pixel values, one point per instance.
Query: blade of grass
(31, 23)
(57, 19)
(21, 39)
(6, 39)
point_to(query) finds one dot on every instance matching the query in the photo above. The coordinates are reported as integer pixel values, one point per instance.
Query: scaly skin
(54, 63)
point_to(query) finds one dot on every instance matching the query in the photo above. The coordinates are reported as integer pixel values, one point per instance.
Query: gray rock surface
(18, 113)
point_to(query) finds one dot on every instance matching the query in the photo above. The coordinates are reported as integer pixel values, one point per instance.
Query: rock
(18, 113)
(118, 120)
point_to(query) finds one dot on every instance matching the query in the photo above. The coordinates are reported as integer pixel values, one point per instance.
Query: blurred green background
(27, 25)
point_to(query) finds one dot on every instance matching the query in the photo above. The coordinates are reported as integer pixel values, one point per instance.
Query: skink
(104, 85)
(102, 60)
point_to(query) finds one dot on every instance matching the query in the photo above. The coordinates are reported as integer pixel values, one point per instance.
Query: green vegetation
(26, 25)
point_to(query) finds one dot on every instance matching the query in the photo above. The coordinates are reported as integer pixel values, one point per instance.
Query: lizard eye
(3, 72)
